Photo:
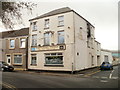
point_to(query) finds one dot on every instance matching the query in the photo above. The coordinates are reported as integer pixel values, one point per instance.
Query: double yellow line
(87, 75)
(6, 85)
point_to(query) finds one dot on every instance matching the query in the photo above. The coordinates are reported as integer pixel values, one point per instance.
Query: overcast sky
(103, 14)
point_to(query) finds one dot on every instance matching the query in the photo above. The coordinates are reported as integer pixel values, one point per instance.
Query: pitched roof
(15, 33)
(58, 11)
(54, 12)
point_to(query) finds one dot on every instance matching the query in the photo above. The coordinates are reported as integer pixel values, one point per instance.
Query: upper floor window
(34, 40)
(61, 37)
(47, 38)
(22, 42)
(60, 20)
(34, 26)
(12, 43)
(46, 23)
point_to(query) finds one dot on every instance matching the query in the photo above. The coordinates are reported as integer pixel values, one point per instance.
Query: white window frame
(10, 44)
(47, 23)
(60, 36)
(21, 59)
(34, 26)
(61, 20)
(34, 55)
(54, 55)
(47, 38)
(21, 42)
(34, 40)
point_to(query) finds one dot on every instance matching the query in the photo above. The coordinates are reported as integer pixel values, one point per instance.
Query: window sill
(33, 64)
(60, 26)
(46, 45)
(22, 47)
(54, 65)
(17, 64)
(34, 46)
(46, 28)
(61, 44)
(11, 48)
(34, 30)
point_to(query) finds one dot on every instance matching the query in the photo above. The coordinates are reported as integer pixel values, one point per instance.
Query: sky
(103, 14)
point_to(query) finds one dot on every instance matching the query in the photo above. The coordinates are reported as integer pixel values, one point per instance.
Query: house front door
(9, 59)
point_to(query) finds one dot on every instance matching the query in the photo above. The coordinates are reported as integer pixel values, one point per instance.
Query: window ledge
(34, 46)
(54, 65)
(61, 26)
(17, 64)
(34, 30)
(61, 44)
(11, 48)
(46, 45)
(33, 64)
(46, 28)
(22, 47)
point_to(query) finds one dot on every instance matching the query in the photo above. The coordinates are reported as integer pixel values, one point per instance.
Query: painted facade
(61, 40)
(106, 56)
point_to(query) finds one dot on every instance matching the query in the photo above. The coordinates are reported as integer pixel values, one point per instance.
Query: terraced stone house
(16, 48)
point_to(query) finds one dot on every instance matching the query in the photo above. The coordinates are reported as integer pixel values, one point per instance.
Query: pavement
(85, 72)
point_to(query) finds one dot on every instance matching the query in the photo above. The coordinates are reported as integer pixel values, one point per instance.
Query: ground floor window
(33, 59)
(53, 58)
(17, 59)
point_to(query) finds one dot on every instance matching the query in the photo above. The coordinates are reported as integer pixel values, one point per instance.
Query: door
(9, 59)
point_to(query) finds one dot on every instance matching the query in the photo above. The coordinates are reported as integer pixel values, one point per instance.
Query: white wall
(108, 53)
(69, 42)
(80, 43)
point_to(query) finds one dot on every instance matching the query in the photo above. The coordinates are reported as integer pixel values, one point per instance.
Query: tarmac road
(96, 79)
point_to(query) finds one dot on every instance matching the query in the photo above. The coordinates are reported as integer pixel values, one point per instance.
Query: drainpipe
(73, 63)
(27, 53)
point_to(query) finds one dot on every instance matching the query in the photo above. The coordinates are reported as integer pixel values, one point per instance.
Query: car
(5, 67)
(106, 66)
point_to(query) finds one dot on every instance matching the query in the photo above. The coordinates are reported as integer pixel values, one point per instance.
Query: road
(96, 79)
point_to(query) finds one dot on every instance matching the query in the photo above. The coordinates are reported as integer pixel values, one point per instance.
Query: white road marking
(104, 77)
(114, 78)
(110, 76)
(103, 81)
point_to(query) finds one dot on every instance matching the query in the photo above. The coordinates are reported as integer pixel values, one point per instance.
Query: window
(92, 60)
(12, 43)
(54, 58)
(17, 59)
(34, 27)
(61, 37)
(33, 59)
(46, 23)
(22, 42)
(106, 58)
(34, 40)
(60, 20)
(47, 38)
(88, 30)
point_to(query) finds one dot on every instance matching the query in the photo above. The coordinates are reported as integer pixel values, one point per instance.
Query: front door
(9, 59)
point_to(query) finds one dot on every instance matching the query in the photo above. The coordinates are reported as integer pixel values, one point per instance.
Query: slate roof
(58, 11)
(54, 12)
(15, 33)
